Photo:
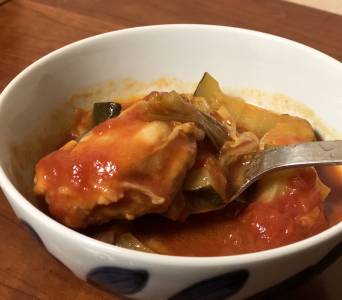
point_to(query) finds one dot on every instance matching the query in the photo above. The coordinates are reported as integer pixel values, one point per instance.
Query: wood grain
(30, 29)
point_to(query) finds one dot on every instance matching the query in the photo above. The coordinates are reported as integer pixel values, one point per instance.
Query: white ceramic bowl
(237, 58)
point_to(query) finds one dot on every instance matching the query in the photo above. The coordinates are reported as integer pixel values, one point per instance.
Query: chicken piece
(123, 168)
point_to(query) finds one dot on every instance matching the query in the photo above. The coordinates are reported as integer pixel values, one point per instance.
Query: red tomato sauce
(296, 214)
(292, 217)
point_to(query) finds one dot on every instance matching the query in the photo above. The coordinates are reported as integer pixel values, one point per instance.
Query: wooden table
(30, 29)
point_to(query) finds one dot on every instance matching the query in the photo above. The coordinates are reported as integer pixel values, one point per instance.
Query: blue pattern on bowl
(216, 288)
(118, 280)
(308, 273)
(32, 232)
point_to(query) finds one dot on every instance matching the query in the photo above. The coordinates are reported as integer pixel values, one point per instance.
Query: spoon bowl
(320, 153)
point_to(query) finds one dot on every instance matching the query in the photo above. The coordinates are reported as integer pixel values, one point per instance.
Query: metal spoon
(293, 156)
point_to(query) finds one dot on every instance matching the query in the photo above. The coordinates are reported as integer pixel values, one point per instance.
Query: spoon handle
(307, 154)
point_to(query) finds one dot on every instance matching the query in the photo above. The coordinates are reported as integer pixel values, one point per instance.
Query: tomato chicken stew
(157, 176)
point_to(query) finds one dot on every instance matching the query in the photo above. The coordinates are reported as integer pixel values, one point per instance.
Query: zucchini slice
(103, 111)
(205, 187)
(248, 117)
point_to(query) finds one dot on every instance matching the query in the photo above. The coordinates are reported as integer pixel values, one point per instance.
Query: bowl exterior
(238, 58)
(122, 275)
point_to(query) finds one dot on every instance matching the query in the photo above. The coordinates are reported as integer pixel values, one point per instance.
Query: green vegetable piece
(248, 117)
(129, 241)
(209, 89)
(203, 201)
(202, 186)
(198, 179)
(103, 111)
(205, 187)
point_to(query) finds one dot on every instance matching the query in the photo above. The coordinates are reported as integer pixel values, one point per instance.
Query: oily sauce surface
(238, 229)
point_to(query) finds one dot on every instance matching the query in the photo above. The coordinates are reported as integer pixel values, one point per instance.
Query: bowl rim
(60, 229)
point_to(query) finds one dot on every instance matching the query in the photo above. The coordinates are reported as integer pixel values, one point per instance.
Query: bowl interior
(34, 115)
